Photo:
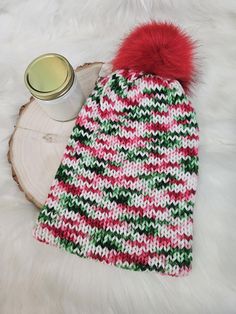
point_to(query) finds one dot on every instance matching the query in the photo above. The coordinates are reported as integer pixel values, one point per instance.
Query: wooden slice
(38, 142)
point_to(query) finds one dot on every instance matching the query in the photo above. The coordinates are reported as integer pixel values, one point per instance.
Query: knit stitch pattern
(124, 192)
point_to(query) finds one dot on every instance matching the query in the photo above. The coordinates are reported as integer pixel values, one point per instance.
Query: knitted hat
(125, 189)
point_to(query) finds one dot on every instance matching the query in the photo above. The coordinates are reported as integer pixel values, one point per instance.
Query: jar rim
(49, 76)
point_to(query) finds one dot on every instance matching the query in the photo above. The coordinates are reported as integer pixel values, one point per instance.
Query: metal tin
(49, 76)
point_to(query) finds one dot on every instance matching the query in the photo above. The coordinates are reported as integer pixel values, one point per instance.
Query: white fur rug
(35, 278)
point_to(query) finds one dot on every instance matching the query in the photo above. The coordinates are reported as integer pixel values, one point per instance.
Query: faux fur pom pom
(158, 48)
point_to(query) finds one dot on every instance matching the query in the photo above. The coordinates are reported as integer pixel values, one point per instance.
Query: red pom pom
(158, 48)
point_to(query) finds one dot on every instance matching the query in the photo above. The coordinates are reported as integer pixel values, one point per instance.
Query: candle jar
(52, 81)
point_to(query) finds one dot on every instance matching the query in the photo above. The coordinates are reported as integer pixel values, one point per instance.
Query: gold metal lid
(49, 76)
